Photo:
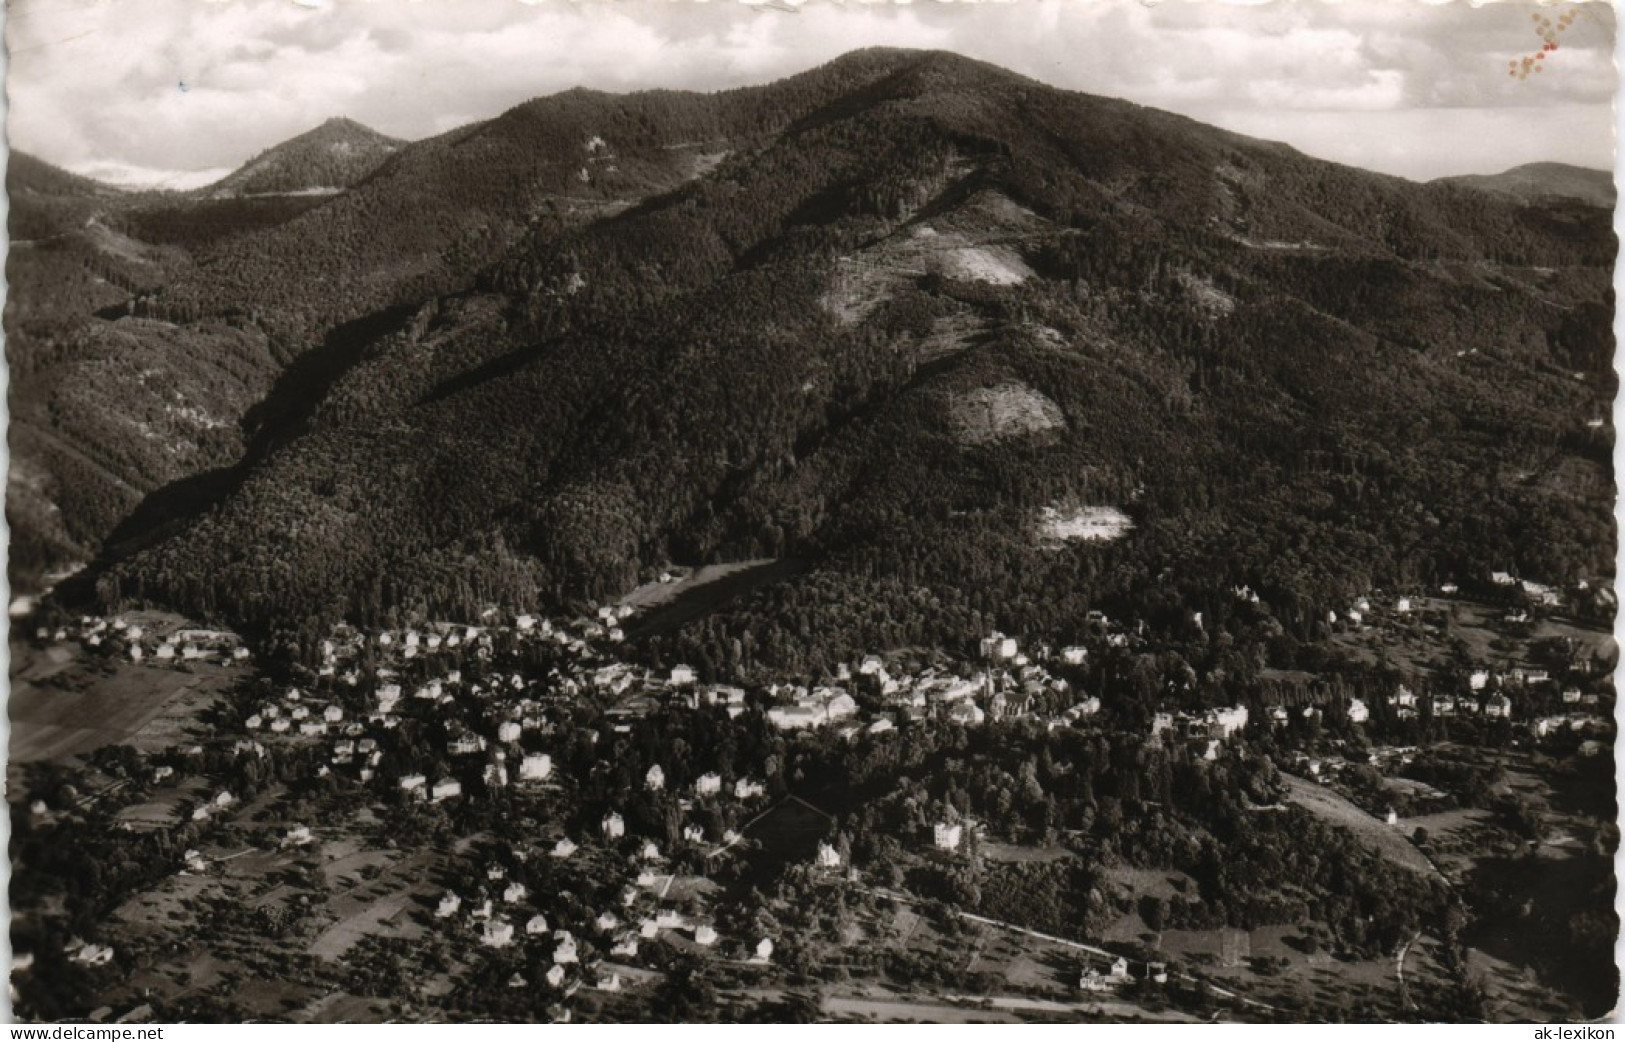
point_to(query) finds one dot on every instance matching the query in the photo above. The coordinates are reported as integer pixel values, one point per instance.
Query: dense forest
(617, 332)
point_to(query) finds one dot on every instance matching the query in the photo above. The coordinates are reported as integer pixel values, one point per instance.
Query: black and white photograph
(793, 512)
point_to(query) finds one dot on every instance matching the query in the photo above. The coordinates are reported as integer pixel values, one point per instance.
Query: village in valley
(518, 817)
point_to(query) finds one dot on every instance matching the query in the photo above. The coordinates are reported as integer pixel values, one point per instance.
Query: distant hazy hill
(1537, 182)
(920, 323)
(331, 157)
(26, 175)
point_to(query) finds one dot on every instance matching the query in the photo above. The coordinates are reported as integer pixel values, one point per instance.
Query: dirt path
(1399, 972)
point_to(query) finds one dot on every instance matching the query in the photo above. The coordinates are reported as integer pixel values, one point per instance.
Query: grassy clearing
(1387, 840)
(63, 704)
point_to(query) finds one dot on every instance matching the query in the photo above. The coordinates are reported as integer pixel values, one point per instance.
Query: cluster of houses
(1009, 686)
(1206, 731)
(1116, 974)
(119, 636)
(1534, 594)
(500, 728)
(501, 913)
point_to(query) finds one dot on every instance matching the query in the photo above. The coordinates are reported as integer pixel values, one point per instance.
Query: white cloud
(98, 82)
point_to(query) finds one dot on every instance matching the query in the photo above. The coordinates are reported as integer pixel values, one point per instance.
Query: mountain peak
(327, 158)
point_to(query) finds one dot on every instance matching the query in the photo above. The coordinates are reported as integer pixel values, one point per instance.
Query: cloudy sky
(179, 91)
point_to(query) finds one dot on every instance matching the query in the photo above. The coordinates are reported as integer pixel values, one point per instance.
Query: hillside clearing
(1008, 410)
(1058, 526)
(1335, 810)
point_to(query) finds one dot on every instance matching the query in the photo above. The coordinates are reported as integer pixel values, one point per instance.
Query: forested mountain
(331, 157)
(972, 350)
(1545, 182)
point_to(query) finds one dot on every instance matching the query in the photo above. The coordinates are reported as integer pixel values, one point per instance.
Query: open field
(1011, 853)
(1335, 810)
(63, 706)
(382, 907)
(159, 810)
(904, 1010)
(384, 917)
(666, 606)
(1415, 647)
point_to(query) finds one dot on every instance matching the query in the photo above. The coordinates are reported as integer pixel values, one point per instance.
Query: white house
(828, 856)
(445, 789)
(705, 936)
(563, 848)
(614, 827)
(682, 675)
(497, 934)
(947, 836)
(655, 779)
(707, 784)
(448, 906)
(787, 718)
(998, 646)
(565, 951)
(1359, 712)
(1230, 720)
(94, 955)
(535, 767)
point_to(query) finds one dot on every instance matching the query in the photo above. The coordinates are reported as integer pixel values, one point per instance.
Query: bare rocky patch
(1007, 410)
(1205, 297)
(1058, 526)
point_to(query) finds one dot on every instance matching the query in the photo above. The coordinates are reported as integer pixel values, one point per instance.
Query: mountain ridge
(668, 326)
(1532, 182)
(1097, 219)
